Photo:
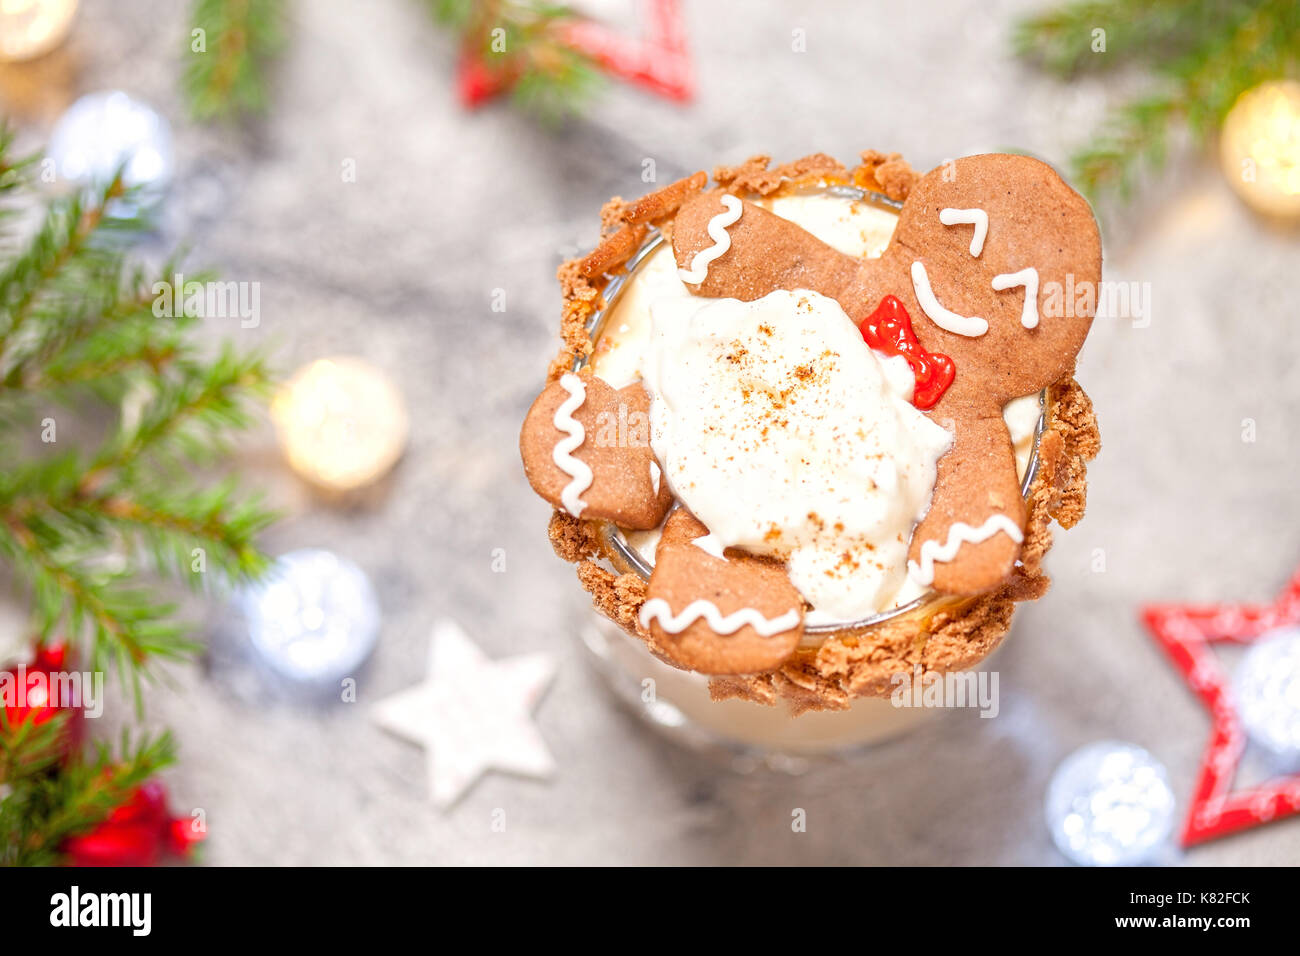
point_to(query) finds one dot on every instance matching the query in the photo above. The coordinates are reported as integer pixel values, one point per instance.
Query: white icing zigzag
(1029, 279)
(659, 609)
(958, 534)
(976, 217)
(575, 434)
(699, 269)
(970, 326)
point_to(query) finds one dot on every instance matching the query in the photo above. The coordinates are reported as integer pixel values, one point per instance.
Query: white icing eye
(975, 217)
(1029, 279)
(968, 325)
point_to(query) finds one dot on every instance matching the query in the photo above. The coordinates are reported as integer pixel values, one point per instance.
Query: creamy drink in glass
(647, 326)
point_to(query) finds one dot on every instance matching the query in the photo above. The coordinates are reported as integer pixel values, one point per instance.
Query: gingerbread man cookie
(977, 242)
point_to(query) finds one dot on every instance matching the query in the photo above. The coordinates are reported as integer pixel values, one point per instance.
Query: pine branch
(13, 169)
(29, 748)
(102, 329)
(1062, 40)
(76, 595)
(217, 522)
(83, 527)
(60, 512)
(520, 47)
(189, 418)
(1204, 55)
(78, 327)
(231, 45)
(1199, 89)
(43, 808)
(453, 13)
(557, 82)
(8, 165)
(67, 249)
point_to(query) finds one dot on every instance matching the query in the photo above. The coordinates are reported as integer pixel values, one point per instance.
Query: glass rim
(613, 291)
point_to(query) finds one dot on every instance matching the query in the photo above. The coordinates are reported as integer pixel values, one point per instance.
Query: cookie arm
(586, 450)
(763, 252)
(970, 538)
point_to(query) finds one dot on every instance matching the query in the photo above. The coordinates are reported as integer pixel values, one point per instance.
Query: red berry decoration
(655, 59)
(28, 695)
(476, 82)
(889, 330)
(140, 832)
(1186, 632)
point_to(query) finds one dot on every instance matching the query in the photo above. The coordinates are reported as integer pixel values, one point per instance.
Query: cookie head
(1002, 264)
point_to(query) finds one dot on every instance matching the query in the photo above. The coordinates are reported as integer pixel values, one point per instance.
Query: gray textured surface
(399, 268)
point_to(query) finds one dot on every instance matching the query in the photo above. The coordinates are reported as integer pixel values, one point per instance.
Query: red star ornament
(657, 60)
(1186, 633)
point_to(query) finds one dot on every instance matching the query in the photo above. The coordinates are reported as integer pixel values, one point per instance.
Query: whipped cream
(782, 431)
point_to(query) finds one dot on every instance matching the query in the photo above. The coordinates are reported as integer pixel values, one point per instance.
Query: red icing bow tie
(889, 330)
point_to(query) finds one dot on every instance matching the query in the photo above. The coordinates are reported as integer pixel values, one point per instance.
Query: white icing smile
(970, 326)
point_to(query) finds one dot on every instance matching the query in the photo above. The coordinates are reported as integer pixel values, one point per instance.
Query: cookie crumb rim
(950, 634)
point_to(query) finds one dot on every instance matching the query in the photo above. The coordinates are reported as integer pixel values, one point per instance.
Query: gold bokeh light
(341, 423)
(1260, 148)
(32, 28)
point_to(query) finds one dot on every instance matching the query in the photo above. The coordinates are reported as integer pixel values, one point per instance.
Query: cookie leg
(970, 538)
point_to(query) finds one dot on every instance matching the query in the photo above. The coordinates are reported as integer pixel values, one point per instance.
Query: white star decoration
(472, 714)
